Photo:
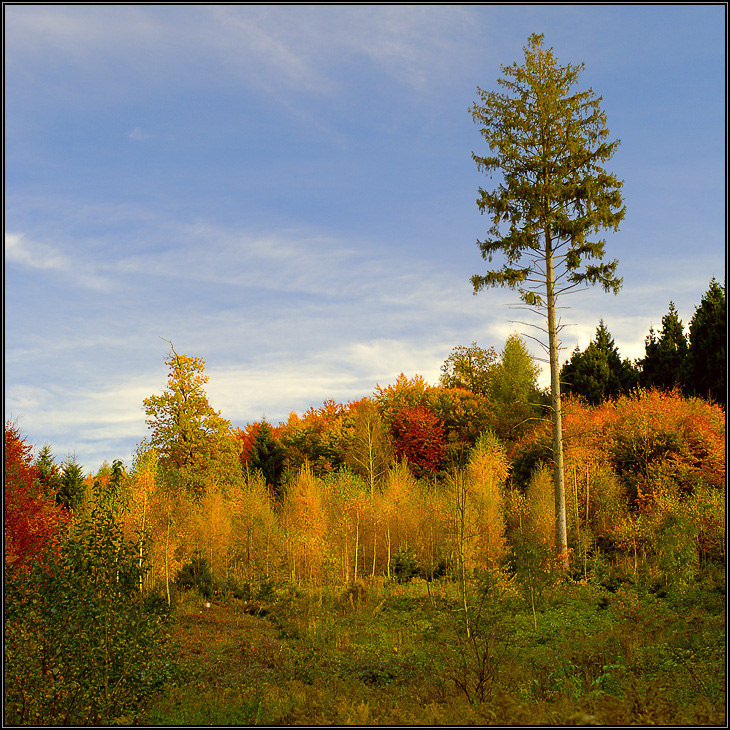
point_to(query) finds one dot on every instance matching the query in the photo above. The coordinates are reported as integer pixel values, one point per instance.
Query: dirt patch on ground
(223, 629)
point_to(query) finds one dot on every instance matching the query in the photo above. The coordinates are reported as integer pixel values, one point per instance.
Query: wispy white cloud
(300, 48)
(23, 251)
(102, 423)
(299, 271)
(19, 250)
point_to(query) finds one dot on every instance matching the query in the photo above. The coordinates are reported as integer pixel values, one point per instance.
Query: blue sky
(288, 192)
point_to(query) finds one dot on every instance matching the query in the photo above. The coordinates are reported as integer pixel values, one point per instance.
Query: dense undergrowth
(389, 653)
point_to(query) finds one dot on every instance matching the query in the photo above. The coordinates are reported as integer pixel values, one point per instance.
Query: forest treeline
(449, 481)
(695, 361)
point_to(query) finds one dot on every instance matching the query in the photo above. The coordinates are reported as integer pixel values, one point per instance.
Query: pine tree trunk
(561, 535)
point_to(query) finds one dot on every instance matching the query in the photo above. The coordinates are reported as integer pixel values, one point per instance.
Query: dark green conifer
(707, 354)
(267, 454)
(71, 488)
(664, 364)
(598, 372)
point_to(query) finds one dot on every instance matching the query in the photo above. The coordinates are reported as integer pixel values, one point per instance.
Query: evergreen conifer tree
(664, 364)
(48, 470)
(71, 487)
(598, 372)
(267, 455)
(548, 143)
(707, 354)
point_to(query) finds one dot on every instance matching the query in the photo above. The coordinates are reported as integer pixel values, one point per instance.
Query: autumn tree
(254, 528)
(418, 437)
(302, 513)
(404, 393)
(465, 415)
(186, 430)
(370, 450)
(472, 368)
(397, 510)
(664, 363)
(549, 143)
(706, 354)
(31, 519)
(318, 437)
(598, 372)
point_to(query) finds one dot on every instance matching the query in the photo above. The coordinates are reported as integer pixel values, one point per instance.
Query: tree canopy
(548, 143)
(664, 363)
(515, 378)
(472, 368)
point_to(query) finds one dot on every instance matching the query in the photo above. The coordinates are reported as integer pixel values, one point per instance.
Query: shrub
(196, 574)
(82, 645)
(528, 459)
(404, 565)
(675, 546)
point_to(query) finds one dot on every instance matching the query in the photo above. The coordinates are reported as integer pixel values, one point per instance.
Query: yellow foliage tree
(302, 516)
(255, 537)
(486, 472)
(399, 518)
(539, 519)
(186, 430)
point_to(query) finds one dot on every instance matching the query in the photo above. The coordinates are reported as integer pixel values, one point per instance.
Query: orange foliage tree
(628, 459)
(318, 437)
(463, 416)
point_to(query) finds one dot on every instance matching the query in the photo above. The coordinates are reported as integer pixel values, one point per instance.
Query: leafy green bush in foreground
(82, 645)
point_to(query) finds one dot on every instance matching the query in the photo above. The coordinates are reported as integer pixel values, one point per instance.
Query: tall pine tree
(548, 143)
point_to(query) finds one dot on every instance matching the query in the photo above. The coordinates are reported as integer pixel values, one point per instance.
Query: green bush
(404, 565)
(82, 645)
(675, 549)
(196, 574)
(525, 462)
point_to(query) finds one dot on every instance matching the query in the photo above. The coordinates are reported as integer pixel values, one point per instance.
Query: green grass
(395, 657)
